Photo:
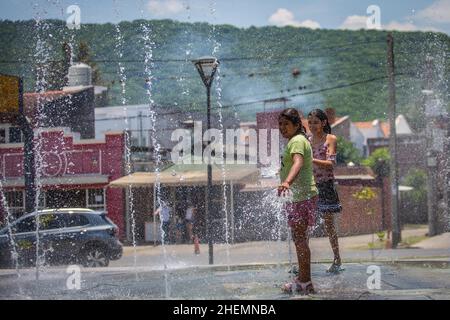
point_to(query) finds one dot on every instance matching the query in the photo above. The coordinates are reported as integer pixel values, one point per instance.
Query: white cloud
(354, 23)
(164, 7)
(283, 17)
(438, 12)
(310, 24)
(407, 26)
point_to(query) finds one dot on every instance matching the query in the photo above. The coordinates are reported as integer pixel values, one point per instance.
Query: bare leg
(189, 232)
(332, 235)
(300, 237)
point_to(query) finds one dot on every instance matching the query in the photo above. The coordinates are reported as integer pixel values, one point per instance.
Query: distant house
(75, 169)
(137, 120)
(368, 136)
(72, 108)
(75, 173)
(377, 129)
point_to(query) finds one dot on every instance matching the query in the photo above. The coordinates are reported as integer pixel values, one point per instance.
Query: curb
(436, 264)
(440, 263)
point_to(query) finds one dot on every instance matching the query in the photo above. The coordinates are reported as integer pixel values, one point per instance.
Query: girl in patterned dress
(324, 159)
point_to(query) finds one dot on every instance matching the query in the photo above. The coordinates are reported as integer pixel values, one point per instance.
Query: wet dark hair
(293, 116)
(321, 115)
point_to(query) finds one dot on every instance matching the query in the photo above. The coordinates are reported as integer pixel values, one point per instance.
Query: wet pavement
(238, 282)
(264, 252)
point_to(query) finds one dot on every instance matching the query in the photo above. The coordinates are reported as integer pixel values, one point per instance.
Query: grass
(407, 242)
(414, 226)
(412, 240)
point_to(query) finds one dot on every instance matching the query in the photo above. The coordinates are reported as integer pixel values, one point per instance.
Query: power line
(342, 86)
(249, 74)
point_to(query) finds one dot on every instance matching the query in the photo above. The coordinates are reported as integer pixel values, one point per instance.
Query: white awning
(190, 175)
(55, 181)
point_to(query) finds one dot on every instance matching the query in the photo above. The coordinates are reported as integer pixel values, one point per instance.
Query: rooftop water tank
(80, 74)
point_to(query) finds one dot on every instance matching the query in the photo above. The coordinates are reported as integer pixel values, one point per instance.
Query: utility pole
(447, 177)
(141, 136)
(395, 221)
(431, 162)
(431, 156)
(438, 146)
(445, 215)
(28, 164)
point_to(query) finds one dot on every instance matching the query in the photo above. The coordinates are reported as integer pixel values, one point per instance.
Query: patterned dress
(324, 176)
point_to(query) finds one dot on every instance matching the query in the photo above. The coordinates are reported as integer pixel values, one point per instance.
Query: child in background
(324, 153)
(189, 220)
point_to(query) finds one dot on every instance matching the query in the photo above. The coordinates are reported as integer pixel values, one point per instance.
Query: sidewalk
(253, 270)
(274, 252)
(438, 242)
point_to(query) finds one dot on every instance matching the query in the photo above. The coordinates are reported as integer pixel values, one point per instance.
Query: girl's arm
(295, 169)
(331, 155)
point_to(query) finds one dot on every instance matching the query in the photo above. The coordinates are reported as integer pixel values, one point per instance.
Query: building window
(2, 135)
(15, 201)
(11, 135)
(42, 201)
(15, 135)
(95, 199)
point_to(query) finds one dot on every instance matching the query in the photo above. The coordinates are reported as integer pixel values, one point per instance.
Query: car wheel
(95, 257)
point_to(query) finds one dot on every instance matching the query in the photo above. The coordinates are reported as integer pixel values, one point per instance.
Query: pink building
(74, 173)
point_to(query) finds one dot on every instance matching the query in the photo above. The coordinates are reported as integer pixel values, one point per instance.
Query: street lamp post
(206, 67)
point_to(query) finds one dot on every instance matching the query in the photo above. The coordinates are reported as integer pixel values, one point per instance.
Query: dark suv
(65, 236)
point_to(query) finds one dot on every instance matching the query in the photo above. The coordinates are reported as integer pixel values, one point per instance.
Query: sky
(402, 15)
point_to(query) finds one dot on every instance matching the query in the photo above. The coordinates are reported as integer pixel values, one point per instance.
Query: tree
(172, 40)
(378, 161)
(59, 69)
(84, 56)
(414, 202)
(347, 152)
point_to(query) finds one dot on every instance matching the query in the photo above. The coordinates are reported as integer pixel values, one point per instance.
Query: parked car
(69, 235)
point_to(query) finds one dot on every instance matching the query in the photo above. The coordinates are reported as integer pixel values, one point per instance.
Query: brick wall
(359, 216)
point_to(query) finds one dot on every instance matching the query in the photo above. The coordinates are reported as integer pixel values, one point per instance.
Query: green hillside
(341, 69)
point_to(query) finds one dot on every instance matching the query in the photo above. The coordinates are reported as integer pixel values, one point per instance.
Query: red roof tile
(385, 127)
(364, 125)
